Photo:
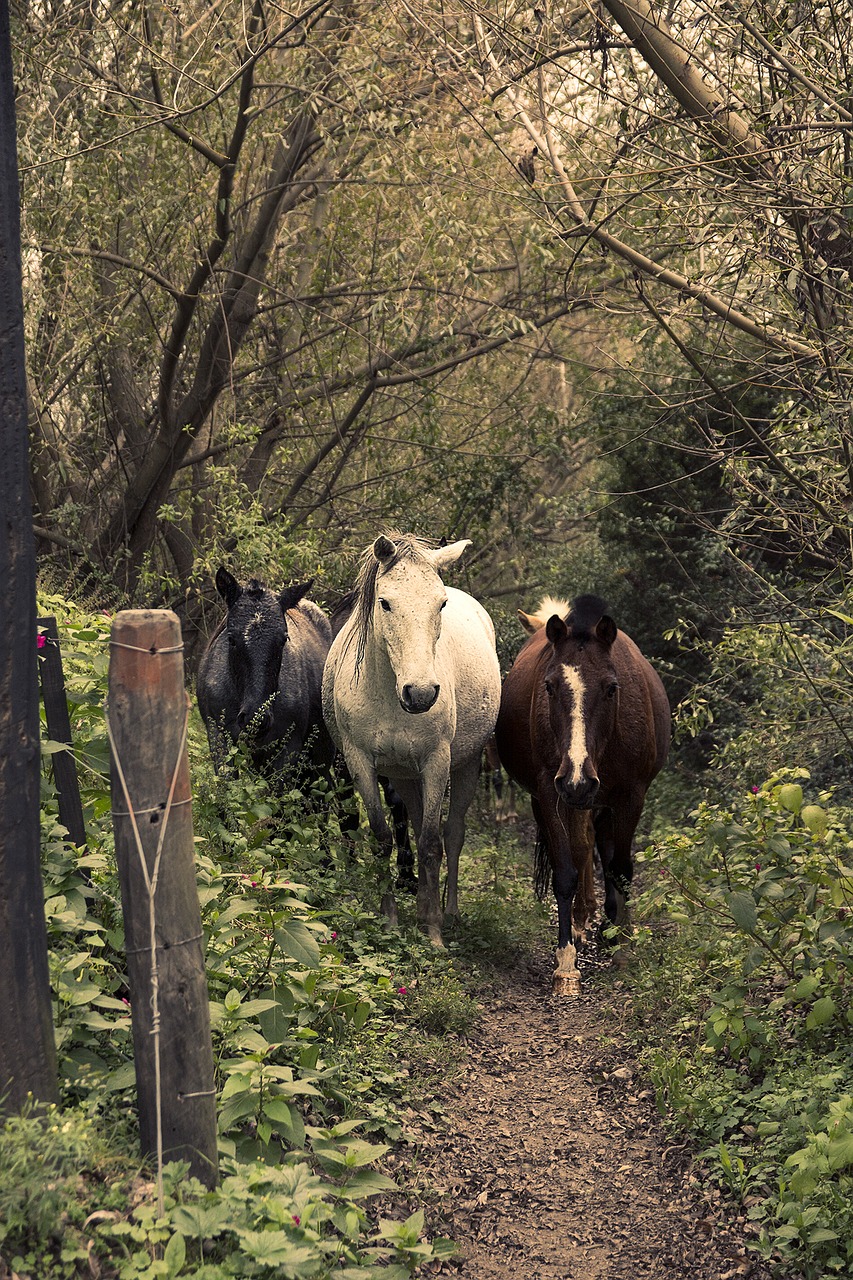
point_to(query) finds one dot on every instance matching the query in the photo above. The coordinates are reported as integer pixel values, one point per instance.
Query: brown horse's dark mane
(408, 547)
(586, 613)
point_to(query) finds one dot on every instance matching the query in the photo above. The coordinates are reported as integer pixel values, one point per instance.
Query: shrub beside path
(554, 1164)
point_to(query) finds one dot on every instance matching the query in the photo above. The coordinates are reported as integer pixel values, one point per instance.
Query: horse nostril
(417, 700)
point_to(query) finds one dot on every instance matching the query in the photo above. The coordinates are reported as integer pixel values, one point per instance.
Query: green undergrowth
(741, 993)
(329, 1032)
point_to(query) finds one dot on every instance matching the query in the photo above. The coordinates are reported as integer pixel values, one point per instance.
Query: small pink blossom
(755, 790)
(402, 991)
(296, 1218)
(334, 935)
(758, 866)
(41, 641)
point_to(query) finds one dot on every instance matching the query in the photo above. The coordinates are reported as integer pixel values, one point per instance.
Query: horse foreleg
(614, 834)
(428, 838)
(364, 776)
(400, 819)
(556, 830)
(463, 788)
(582, 839)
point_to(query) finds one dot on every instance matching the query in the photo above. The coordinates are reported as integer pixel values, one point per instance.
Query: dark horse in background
(261, 675)
(260, 678)
(584, 725)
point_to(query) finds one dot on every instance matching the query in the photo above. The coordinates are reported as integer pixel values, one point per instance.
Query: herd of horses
(402, 688)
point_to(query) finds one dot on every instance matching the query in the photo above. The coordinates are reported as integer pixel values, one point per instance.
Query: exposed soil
(554, 1164)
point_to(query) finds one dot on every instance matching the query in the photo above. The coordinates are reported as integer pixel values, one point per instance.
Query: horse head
(582, 690)
(256, 633)
(405, 598)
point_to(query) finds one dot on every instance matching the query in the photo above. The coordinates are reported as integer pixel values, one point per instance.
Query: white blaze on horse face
(577, 742)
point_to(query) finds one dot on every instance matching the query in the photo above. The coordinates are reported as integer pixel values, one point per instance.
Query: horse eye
(385, 605)
(612, 689)
(441, 606)
(549, 688)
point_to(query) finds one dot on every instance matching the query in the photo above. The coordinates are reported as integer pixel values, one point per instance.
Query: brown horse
(584, 725)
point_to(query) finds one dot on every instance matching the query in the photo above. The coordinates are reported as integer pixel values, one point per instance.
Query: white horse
(411, 690)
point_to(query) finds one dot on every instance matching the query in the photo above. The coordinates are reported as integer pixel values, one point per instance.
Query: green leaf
(840, 1151)
(286, 1119)
(367, 1182)
(806, 987)
(299, 943)
(201, 1221)
(821, 1012)
(814, 817)
(743, 912)
(175, 1254)
(791, 797)
(276, 1249)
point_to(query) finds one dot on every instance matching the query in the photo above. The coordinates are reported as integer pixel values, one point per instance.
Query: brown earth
(554, 1165)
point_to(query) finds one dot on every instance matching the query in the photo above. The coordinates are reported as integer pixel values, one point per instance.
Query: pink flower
(296, 1218)
(334, 935)
(401, 991)
(758, 866)
(41, 641)
(755, 790)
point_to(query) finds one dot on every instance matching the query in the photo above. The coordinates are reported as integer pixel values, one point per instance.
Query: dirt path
(554, 1165)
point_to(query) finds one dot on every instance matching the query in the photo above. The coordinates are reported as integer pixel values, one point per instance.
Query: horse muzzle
(258, 722)
(577, 795)
(415, 699)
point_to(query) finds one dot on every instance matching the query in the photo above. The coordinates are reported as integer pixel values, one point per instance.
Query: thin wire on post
(151, 886)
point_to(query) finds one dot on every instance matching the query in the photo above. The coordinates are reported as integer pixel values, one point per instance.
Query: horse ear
(227, 586)
(383, 548)
(529, 621)
(556, 629)
(290, 596)
(443, 557)
(605, 630)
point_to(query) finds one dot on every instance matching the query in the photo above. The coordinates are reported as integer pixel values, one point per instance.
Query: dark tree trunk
(27, 1050)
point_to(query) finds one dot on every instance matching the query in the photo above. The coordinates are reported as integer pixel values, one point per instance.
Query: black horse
(260, 678)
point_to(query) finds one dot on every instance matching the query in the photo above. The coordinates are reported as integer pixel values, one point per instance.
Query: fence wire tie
(163, 946)
(151, 881)
(153, 650)
(154, 808)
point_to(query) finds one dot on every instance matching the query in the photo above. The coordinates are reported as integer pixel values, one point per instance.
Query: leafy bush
(751, 937)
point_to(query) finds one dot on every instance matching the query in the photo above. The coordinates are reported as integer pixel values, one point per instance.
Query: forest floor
(552, 1163)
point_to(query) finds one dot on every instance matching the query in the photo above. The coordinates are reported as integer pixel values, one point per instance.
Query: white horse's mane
(549, 605)
(408, 547)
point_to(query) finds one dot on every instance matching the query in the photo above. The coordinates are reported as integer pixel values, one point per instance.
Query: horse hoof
(566, 984)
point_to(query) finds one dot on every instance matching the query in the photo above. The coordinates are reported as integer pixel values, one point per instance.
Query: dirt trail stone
(554, 1165)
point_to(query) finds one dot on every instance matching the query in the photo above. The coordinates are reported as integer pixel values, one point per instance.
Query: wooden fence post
(59, 729)
(147, 715)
